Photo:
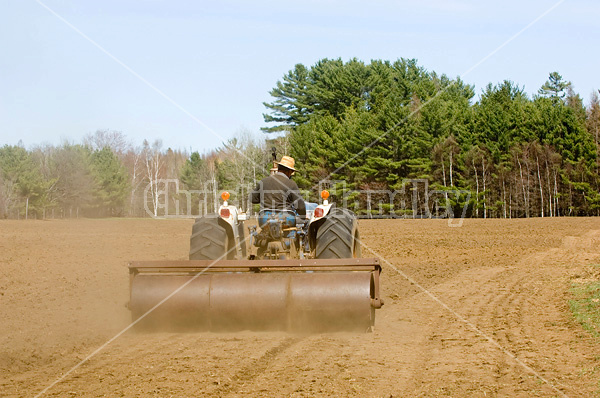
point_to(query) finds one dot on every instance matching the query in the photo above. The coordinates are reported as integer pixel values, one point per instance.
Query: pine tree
(293, 104)
(111, 182)
(23, 188)
(554, 88)
(192, 171)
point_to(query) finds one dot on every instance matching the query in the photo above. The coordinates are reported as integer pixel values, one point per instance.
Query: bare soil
(484, 312)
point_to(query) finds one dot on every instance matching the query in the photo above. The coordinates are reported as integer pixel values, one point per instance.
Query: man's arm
(296, 200)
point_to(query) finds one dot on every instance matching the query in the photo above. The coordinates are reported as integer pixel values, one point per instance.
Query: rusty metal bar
(341, 262)
(208, 266)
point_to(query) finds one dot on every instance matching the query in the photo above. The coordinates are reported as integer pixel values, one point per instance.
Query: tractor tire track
(255, 368)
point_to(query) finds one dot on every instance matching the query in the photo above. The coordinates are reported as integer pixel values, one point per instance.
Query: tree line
(106, 175)
(371, 128)
(374, 126)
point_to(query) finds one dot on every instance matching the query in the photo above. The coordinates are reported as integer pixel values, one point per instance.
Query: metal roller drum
(331, 301)
(321, 295)
(188, 308)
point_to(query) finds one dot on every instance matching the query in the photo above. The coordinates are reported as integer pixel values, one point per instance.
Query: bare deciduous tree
(154, 162)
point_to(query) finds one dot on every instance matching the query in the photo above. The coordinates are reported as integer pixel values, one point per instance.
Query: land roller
(284, 273)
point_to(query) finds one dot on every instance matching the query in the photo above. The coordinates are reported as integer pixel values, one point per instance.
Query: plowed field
(480, 310)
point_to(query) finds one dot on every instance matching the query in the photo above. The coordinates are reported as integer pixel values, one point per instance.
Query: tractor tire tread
(335, 238)
(209, 240)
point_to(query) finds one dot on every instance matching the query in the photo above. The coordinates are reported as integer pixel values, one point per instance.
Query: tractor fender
(229, 218)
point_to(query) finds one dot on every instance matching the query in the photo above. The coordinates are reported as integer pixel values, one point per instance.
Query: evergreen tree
(111, 183)
(293, 103)
(192, 171)
(554, 88)
(23, 187)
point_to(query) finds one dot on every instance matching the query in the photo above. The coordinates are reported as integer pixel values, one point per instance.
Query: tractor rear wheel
(338, 236)
(209, 240)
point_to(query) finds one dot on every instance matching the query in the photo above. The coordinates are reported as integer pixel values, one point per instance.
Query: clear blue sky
(219, 59)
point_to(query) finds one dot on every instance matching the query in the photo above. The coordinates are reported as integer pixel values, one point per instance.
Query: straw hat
(287, 162)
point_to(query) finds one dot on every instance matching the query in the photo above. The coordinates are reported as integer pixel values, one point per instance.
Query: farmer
(278, 191)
